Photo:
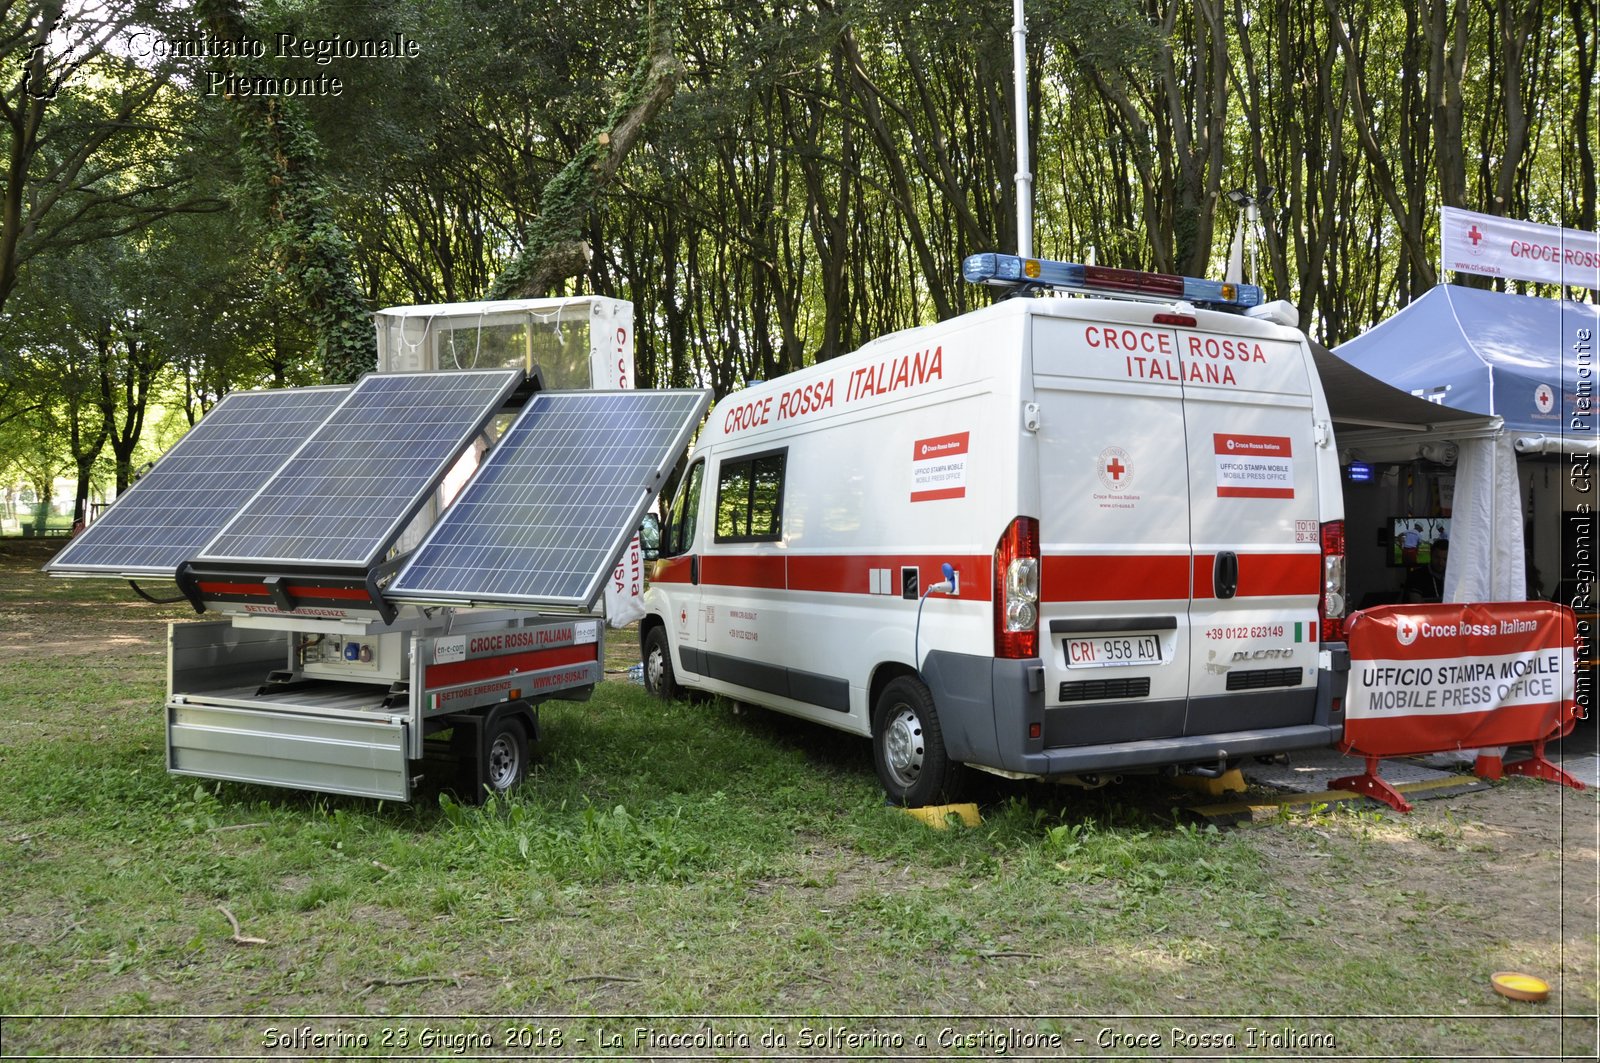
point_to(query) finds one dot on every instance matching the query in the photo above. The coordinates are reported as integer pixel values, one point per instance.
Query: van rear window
(750, 498)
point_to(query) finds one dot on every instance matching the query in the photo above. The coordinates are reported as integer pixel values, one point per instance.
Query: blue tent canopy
(1527, 360)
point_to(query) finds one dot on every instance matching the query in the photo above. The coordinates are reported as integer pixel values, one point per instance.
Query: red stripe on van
(672, 570)
(1115, 578)
(1076, 578)
(830, 573)
(770, 573)
(852, 574)
(1264, 575)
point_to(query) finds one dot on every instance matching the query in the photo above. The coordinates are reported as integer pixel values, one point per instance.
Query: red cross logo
(1406, 631)
(1116, 469)
(683, 616)
(1474, 235)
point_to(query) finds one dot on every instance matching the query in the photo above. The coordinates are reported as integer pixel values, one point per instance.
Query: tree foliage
(82, 127)
(772, 183)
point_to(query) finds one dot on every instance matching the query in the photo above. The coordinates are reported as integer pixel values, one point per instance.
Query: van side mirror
(650, 536)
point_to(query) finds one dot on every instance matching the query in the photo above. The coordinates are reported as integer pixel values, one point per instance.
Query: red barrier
(1434, 678)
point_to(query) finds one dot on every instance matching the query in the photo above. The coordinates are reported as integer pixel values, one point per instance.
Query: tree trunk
(85, 449)
(1366, 135)
(306, 239)
(1584, 45)
(554, 249)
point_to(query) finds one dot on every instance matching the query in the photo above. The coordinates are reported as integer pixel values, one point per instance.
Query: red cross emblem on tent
(1544, 398)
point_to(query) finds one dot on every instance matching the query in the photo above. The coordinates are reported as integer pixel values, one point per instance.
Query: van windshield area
(685, 510)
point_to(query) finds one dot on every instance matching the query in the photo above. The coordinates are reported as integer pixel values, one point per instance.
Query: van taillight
(1016, 591)
(1331, 606)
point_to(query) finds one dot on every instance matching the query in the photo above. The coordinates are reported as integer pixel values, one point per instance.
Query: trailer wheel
(658, 677)
(504, 753)
(908, 746)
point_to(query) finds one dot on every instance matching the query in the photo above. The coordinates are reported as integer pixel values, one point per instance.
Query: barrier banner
(1432, 678)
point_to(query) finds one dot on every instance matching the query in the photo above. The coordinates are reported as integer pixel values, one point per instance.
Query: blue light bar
(1358, 472)
(989, 268)
(1012, 271)
(1222, 293)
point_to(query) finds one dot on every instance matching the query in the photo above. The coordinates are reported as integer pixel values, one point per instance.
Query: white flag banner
(1505, 247)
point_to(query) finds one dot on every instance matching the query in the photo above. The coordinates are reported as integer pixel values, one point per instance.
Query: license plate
(1111, 651)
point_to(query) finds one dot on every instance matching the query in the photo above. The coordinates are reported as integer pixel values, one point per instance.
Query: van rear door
(1255, 531)
(1114, 620)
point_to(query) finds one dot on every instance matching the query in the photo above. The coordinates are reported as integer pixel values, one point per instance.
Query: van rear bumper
(1159, 752)
(987, 707)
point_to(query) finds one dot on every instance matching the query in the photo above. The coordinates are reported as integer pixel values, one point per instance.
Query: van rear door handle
(694, 569)
(1225, 574)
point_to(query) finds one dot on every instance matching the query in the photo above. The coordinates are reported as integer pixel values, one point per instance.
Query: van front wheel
(658, 677)
(908, 746)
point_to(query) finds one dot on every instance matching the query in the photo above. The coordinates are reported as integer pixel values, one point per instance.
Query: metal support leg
(1368, 784)
(1537, 767)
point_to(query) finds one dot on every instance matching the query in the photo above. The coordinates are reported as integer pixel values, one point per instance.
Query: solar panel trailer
(287, 516)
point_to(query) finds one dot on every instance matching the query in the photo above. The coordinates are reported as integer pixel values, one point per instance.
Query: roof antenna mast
(1019, 61)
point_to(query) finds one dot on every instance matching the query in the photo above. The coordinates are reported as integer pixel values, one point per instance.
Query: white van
(1058, 537)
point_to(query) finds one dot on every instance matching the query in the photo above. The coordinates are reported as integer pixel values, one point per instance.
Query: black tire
(503, 754)
(908, 747)
(658, 675)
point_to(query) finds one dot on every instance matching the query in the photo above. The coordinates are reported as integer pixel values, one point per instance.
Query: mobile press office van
(1056, 537)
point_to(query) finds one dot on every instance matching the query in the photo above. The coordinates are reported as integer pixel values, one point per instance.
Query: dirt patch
(1502, 878)
(77, 617)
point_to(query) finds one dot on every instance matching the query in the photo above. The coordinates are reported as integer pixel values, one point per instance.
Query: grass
(683, 860)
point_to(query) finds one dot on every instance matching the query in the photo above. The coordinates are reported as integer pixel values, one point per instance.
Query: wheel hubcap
(502, 762)
(902, 747)
(653, 669)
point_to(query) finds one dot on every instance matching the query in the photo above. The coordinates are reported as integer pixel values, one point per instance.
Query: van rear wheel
(908, 746)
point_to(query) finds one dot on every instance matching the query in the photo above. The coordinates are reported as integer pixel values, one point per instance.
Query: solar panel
(345, 494)
(553, 504)
(166, 516)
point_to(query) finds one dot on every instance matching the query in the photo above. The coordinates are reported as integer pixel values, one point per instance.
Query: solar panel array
(345, 494)
(555, 501)
(166, 516)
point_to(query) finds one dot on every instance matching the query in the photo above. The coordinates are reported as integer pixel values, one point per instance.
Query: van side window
(679, 535)
(750, 498)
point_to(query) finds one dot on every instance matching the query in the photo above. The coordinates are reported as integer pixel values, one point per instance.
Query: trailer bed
(331, 696)
(243, 704)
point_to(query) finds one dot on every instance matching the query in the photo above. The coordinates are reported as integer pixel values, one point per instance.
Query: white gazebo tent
(1516, 359)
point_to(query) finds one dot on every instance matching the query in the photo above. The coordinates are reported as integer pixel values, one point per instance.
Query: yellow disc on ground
(1520, 986)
